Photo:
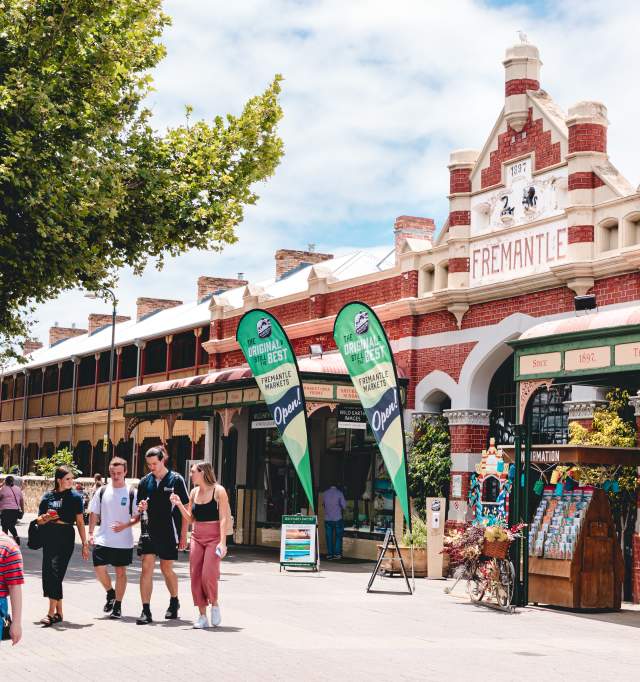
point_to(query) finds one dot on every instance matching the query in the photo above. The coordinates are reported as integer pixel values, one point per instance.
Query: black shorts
(166, 548)
(112, 556)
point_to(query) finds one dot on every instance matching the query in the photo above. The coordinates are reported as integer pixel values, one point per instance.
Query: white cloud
(376, 95)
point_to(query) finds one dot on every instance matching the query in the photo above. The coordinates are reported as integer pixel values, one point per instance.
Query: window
(631, 230)
(442, 276)
(66, 375)
(50, 379)
(427, 279)
(129, 362)
(19, 385)
(548, 416)
(353, 462)
(183, 350)
(103, 366)
(87, 371)
(502, 403)
(156, 356)
(607, 235)
(7, 388)
(35, 382)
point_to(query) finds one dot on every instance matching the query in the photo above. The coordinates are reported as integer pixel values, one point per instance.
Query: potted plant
(417, 539)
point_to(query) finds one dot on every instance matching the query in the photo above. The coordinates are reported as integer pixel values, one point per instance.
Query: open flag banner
(364, 346)
(268, 351)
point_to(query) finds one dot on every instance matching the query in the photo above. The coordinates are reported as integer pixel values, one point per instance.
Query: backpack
(131, 494)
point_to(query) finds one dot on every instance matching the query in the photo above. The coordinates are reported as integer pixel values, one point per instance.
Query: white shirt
(113, 507)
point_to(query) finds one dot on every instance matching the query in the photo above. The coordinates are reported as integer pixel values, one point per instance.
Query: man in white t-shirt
(114, 507)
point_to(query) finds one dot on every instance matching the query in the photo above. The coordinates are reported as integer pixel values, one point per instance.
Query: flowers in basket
(465, 547)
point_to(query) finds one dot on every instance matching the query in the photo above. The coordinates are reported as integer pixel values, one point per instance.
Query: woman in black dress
(59, 510)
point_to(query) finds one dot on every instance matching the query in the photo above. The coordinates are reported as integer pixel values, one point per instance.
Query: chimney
(97, 320)
(146, 306)
(216, 285)
(29, 346)
(288, 260)
(521, 73)
(411, 227)
(57, 334)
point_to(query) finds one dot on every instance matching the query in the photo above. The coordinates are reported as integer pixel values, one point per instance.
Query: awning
(325, 381)
(600, 343)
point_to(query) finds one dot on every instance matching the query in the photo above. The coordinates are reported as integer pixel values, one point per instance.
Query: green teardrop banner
(268, 351)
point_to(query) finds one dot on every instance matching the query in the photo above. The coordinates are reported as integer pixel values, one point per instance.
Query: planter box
(391, 563)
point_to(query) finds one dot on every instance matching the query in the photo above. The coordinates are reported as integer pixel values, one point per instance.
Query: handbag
(20, 511)
(5, 620)
(35, 536)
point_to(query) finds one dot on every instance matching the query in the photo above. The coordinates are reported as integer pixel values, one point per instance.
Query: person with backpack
(112, 507)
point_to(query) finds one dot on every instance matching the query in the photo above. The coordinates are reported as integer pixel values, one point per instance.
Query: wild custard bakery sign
(529, 251)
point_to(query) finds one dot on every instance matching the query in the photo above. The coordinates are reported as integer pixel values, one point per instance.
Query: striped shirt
(10, 565)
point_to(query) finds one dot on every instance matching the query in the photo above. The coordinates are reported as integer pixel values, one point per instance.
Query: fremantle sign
(502, 257)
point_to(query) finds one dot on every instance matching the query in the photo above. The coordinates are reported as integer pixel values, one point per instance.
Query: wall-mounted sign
(250, 395)
(540, 363)
(519, 253)
(351, 417)
(456, 485)
(318, 391)
(234, 396)
(346, 393)
(262, 419)
(587, 358)
(545, 456)
(627, 353)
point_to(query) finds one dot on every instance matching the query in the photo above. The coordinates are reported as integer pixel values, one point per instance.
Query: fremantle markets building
(538, 216)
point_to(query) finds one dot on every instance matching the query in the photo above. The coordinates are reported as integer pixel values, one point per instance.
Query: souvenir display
(556, 526)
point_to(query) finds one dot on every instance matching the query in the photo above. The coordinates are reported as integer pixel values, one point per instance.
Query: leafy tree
(429, 461)
(46, 466)
(86, 184)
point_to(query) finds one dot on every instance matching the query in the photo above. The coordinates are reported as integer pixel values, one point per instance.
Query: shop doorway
(229, 466)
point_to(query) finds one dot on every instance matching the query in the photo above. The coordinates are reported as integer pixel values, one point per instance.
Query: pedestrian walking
(334, 504)
(59, 510)
(11, 581)
(11, 507)
(97, 484)
(162, 530)
(208, 509)
(112, 507)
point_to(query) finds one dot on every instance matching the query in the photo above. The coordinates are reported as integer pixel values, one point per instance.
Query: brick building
(537, 217)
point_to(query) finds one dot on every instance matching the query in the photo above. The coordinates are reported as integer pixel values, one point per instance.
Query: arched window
(548, 416)
(490, 490)
(502, 403)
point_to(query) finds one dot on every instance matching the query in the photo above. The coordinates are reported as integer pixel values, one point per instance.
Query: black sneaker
(116, 612)
(172, 611)
(111, 597)
(145, 618)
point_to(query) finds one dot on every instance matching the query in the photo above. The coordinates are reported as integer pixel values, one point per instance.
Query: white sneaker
(216, 616)
(201, 623)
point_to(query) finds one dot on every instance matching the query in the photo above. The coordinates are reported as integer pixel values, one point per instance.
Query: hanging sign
(262, 419)
(268, 351)
(364, 346)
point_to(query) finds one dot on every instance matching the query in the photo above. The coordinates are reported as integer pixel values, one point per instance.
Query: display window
(278, 490)
(352, 461)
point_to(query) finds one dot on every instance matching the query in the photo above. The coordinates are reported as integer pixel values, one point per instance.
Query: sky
(375, 97)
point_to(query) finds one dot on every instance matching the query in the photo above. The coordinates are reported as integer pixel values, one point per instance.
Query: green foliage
(15, 469)
(610, 430)
(86, 185)
(418, 535)
(429, 461)
(46, 466)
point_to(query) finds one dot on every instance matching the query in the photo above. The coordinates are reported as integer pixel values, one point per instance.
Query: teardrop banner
(268, 351)
(365, 348)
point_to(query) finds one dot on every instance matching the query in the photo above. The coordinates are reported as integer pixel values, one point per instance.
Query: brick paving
(312, 627)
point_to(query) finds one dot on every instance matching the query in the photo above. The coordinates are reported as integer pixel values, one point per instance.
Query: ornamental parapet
(467, 417)
(583, 409)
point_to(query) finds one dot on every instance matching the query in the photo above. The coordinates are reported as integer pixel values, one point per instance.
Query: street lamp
(106, 443)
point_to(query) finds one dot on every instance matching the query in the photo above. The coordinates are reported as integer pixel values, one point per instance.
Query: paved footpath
(303, 626)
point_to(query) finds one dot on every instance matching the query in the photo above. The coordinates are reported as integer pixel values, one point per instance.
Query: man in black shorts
(113, 506)
(163, 532)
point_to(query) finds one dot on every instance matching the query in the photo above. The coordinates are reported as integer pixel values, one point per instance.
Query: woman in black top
(208, 509)
(59, 509)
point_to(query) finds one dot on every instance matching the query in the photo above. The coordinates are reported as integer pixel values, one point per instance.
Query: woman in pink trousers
(208, 509)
